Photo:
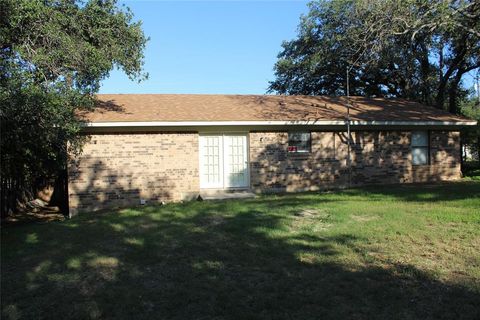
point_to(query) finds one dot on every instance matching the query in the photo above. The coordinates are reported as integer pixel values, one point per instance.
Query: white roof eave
(117, 124)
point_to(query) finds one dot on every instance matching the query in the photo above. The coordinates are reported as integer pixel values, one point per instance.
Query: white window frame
(294, 149)
(424, 145)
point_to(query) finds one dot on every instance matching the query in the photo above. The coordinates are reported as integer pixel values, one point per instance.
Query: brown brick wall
(117, 170)
(377, 157)
(444, 158)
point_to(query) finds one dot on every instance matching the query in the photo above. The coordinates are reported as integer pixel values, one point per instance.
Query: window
(419, 146)
(299, 142)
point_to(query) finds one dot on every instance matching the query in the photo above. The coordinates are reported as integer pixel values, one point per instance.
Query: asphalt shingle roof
(195, 107)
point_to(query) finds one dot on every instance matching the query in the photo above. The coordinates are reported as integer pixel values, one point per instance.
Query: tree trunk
(452, 97)
(478, 149)
(441, 80)
(455, 65)
(425, 72)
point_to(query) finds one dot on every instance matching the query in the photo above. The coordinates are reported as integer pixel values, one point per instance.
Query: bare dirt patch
(363, 218)
(312, 213)
(316, 219)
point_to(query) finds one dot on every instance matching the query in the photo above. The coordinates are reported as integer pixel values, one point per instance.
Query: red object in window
(292, 149)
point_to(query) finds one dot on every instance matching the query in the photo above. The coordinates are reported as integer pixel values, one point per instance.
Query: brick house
(151, 148)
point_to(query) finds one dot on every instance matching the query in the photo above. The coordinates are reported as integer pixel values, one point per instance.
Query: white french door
(224, 161)
(211, 161)
(235, 161)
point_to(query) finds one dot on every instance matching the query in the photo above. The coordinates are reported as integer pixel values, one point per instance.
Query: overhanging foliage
(53, 56)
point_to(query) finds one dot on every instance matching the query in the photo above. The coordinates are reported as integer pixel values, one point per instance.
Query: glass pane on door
(236, 161)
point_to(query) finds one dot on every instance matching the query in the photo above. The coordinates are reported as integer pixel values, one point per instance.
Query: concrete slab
(226, 194)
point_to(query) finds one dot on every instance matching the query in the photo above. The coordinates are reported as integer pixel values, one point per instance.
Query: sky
(210, 47)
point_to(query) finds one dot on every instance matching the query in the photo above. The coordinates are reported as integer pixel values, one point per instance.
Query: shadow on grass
(209, 260)
(446, 191)
(426, 192)
(438, 192)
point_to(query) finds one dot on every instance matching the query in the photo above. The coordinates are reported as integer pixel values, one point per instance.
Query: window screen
(419, 147)
(299, 141)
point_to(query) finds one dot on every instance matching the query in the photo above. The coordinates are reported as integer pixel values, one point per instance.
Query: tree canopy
(53, 56)
(414, 49)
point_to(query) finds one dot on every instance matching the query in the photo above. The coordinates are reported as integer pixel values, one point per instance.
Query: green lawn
(406, 252)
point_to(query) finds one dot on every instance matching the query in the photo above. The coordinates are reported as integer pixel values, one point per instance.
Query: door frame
(224, 133)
